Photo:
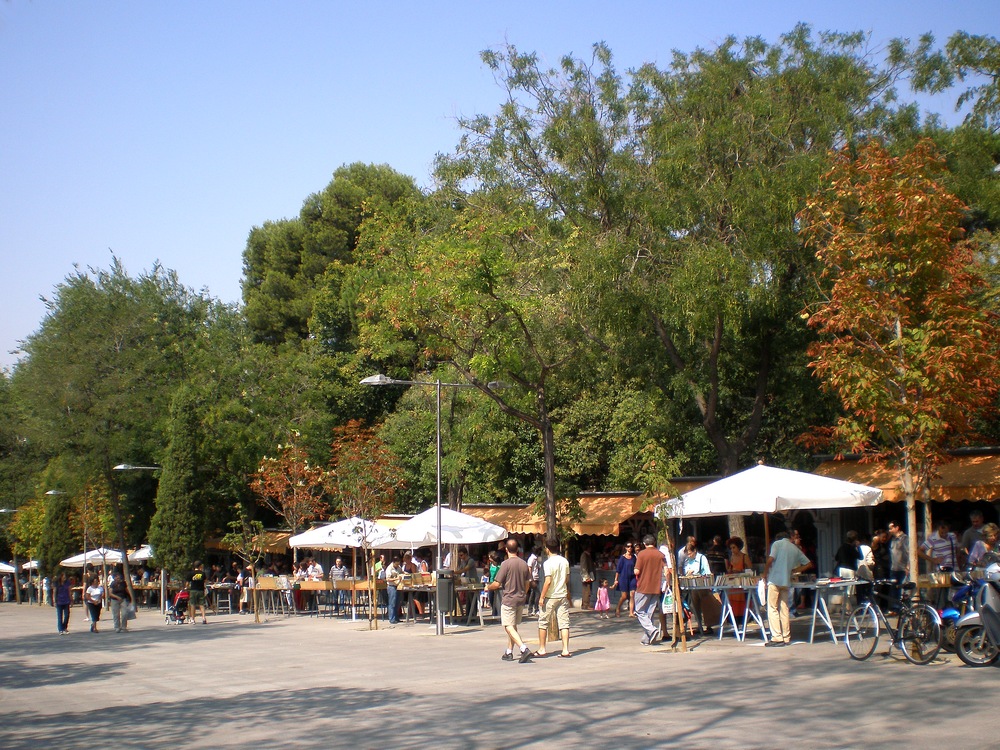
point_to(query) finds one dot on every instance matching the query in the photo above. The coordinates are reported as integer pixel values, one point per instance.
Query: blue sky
(167, 130)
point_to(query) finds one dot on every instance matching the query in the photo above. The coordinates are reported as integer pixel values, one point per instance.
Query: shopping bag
(667, 602)
(129, 611)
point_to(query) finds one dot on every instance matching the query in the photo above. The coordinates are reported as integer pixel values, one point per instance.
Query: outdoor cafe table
(362, 587)
(723, 585)
(754, 608)
(153, 587)
(823, 588)
(426, 586)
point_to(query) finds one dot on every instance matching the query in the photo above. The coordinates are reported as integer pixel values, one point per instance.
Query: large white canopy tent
(143, 554)
(456, 528)
(767, 489)
(351, 532)
(99, 556)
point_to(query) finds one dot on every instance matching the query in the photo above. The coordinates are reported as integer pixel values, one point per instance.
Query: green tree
(490, 296)
(249, 397)
(98, 376)
(58, 540)
(19, 456)
(685, 182)
(177, 533)
(286, 262)
(966, 58)
(905, 342)
(735, 138)
(27, 529)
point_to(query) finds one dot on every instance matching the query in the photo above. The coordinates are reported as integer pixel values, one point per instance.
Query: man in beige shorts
(552, 601)
(513, 577)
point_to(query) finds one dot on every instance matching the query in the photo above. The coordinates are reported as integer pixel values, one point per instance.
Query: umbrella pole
(767, 538)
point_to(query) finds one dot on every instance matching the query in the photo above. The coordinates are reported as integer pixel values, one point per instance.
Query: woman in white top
(94, 597)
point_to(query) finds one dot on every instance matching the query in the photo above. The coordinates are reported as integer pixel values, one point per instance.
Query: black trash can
(445, 590)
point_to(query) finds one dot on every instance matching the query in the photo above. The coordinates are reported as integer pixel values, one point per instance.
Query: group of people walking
(514, 580)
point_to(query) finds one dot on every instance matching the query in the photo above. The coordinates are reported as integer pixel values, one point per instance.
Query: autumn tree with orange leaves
(363, 483)
(906, 342)
(290, 486)
(365, 474)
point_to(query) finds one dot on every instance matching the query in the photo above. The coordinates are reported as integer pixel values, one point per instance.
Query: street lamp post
(437, 384)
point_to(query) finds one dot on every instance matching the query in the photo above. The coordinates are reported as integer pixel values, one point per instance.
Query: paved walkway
(307, 682)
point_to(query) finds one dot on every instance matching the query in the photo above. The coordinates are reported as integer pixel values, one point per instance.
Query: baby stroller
(177, 612)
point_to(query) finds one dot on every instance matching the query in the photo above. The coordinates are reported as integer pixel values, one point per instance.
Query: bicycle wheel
(862, 632)
(974, 648)
(920, 634)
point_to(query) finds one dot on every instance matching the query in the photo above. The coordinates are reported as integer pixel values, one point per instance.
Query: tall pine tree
(176, 532)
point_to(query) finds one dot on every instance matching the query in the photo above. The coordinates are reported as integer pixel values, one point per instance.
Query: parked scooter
(963, 599)
(977, 640)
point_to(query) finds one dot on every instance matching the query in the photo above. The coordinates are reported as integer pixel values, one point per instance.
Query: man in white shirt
(552, 600)
(784, 561)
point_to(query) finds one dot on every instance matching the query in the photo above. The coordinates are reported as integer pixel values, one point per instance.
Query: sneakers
(645, 640)
(507, 656)
(525, 656)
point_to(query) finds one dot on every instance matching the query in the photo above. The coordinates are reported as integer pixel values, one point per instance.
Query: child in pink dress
(603, 603)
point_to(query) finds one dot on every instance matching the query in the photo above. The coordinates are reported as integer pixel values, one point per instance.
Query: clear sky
(167, 130)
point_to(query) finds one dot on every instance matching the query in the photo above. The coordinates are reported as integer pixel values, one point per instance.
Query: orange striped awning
(970, 477)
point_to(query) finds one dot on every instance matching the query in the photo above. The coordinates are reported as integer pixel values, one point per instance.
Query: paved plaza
(305, 682)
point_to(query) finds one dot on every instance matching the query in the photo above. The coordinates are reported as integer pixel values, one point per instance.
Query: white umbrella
(30, 565)
(145, 552)
(456, 528)
(5, 568)
(766, 489)
(351, 532)
(99, 556)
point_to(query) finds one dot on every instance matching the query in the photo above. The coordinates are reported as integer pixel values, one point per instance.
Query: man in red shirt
(649, 566)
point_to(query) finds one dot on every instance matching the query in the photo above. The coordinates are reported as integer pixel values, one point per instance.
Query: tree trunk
(116, 508)
(911, 517)
(549, 453)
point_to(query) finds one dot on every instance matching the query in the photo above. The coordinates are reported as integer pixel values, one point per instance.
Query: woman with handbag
(119, 600)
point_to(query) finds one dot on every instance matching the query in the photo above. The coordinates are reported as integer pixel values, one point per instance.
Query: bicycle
(918, 626)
